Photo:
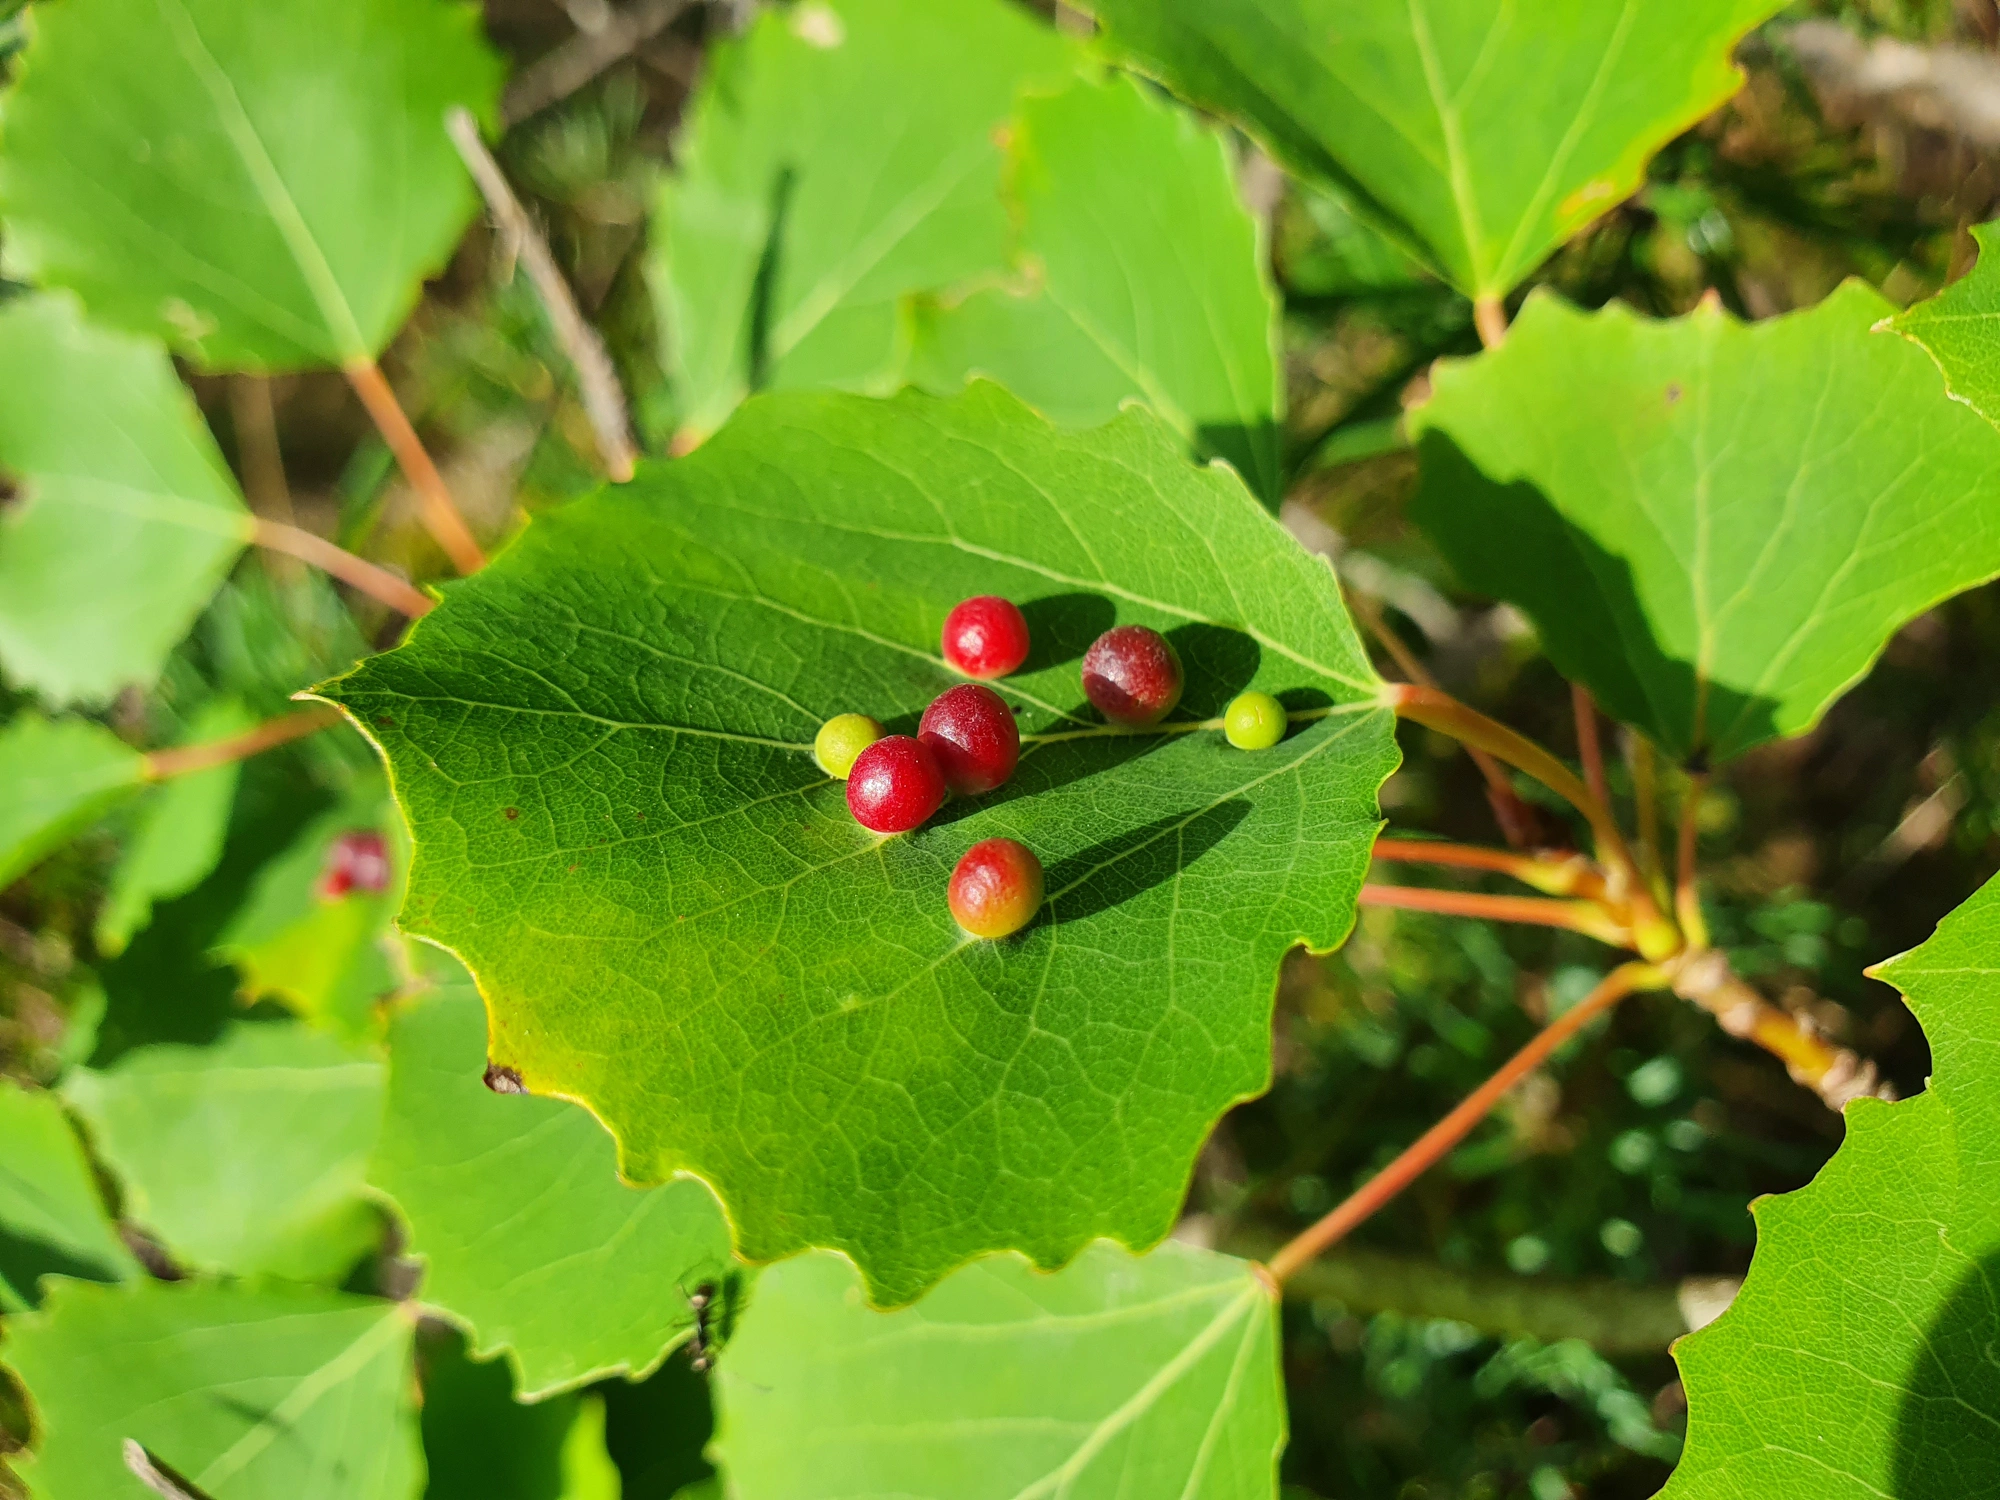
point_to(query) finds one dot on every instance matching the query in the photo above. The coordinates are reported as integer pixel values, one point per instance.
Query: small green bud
(841, 739)
(1254, 721)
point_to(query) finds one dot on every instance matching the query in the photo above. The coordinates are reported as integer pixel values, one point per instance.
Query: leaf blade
(642, 769)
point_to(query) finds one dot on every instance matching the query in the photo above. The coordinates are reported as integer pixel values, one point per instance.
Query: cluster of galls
(968, 743)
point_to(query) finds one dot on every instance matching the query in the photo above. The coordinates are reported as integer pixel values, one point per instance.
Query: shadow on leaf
(1948, 1424)
(1111, 873)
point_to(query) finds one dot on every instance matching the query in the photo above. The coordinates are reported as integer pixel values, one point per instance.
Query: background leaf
(61, 776)
(52, 1218)
(876, 192)
(263, 186)
(1141, 271)
(482, 1444)
(837, 157)
(1119, 1376)
(248, 1392)
(1858, 1360)
(1481, 136)
(127, 519)
(514, 1205)
(245, 1156)
(329, 956)
(178, 836)
(1715, 526)
(602, 745)
(1960, 328)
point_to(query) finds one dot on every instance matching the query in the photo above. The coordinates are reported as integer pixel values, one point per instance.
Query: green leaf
(1141, 278)
(1120, 1376)
(482, 1444)
(330, 957)
(1858, 1360)
(514, 1204)
(246, 1392)
(885, 191)
(245, 1156)
(602, 745)
(1960, 329)
(1715, 526)
(52, 1218)
(264, 186)
(836, 157)
(61, 776)
(1481, 136)
(178, 837)
(127, 519)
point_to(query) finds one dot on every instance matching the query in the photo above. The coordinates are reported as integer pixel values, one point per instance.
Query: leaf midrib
(269, 184)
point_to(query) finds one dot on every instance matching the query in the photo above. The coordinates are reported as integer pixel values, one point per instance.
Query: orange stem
(163, 764)
(1588, 751)
(1518, 824)
(434, 503)
(357, 572)
(1586, 917)
(1569, 875)
(1453, 1128)
(1687, 900)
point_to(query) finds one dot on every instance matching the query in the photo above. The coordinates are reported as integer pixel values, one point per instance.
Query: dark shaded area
(1948, 1424)
(655, 1430)
(1218, 663)
(1254, 450)
(24, 1262)
(1114, 871)
(479, 1442)
(1062, 626)
(764, 287)
(167, 986)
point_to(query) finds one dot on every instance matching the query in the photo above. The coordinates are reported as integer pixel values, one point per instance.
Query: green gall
(1254, 721)
(841, 739)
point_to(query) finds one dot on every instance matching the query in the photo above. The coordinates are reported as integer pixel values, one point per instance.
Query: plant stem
(1645, 796)
(1834, 1073)
(435, 506)
(603, 398)
(1566, 875)
(1444, 713)
(1687, 899)
(1589, 752)
(1489, 316)
(1586, 917)
(1518, 824)
(357, 572)
(162, 765)
(1425, 1152)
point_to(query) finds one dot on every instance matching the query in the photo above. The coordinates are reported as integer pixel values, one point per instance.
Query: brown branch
(1432, 1145)
(258, 451)
(1560, 875)
(435, 506)
(1834, 1073)
(161, 765)
(1586, 917)
(584, 56)
(356, 572)
(603, 398)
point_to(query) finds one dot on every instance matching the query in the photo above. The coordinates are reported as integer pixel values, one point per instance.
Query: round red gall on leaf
(972, 733)
(1132, 675)
(985, 637)
(996, 889)
(356, 861)
(894, 785)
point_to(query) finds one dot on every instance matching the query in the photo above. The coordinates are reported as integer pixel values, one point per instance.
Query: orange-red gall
(996, 889)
